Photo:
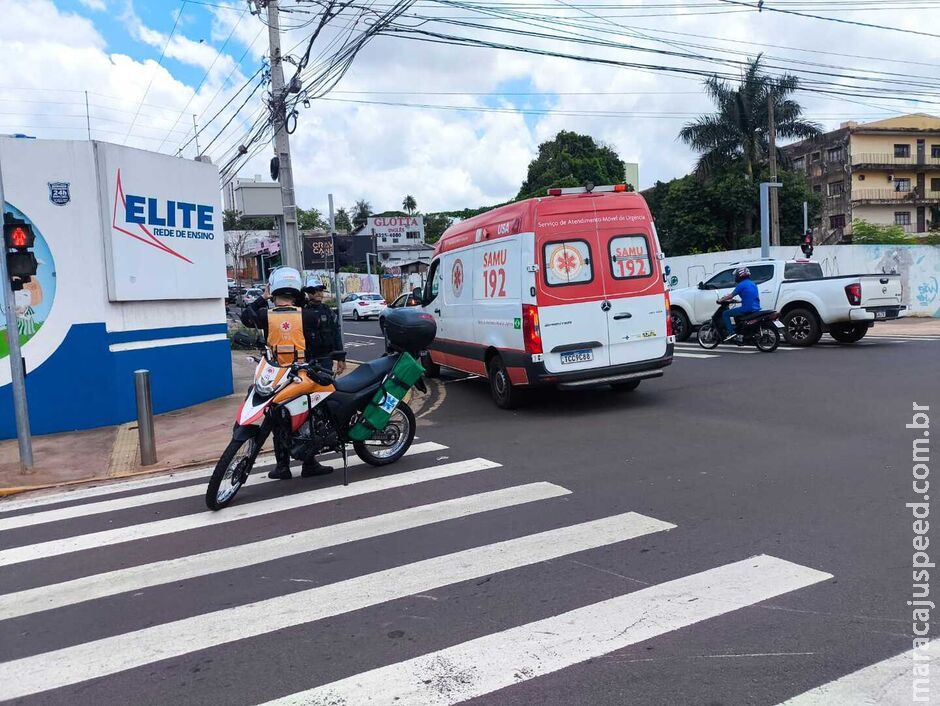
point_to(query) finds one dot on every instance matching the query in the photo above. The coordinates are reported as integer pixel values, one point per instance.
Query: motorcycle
(322, 411)
(760, 328)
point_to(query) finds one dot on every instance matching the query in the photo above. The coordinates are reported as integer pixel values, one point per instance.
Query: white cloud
(96, 5)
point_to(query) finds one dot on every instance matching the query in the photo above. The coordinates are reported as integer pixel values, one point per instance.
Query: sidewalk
(907, 326)
(186, 437)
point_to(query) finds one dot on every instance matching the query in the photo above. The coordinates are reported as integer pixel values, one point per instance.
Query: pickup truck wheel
(681, 326)
(848, 333)
(801, 327)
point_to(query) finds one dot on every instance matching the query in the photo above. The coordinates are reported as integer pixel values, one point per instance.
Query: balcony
(873, 160)
(890, 196)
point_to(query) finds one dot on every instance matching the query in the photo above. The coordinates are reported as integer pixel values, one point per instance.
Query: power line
(156, 68)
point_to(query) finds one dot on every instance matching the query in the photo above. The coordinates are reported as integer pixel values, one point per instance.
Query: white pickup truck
(810, 304)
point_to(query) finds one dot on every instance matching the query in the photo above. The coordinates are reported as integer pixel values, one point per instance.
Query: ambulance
(564, 290)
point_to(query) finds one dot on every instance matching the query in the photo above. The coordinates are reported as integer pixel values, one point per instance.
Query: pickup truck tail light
(531, 333)
(668, 315)
(853, 292)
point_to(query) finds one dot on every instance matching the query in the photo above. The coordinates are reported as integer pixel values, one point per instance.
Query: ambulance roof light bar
(590, 189)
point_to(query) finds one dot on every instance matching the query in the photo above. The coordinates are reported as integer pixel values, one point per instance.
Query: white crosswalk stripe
(189, 491)
(55, 658)
(200, 520)
(496, 661)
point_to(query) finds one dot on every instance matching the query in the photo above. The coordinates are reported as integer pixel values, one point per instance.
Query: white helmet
(313, 283)
(285, 281)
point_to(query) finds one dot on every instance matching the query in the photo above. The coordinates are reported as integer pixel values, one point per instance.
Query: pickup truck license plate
(881, 314)
(582, 356)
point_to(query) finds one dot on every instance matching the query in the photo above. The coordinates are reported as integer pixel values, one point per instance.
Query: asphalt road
(769, 554)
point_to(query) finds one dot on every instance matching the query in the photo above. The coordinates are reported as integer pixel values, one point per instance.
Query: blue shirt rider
(750, 300)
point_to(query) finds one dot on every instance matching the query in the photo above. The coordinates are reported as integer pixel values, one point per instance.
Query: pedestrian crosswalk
(142, 584)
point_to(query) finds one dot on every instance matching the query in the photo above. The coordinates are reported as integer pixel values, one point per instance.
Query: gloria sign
(163, 239)
(405, 228)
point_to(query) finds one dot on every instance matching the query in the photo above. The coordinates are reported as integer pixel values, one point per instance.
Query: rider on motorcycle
(290, 332)
(750, 300)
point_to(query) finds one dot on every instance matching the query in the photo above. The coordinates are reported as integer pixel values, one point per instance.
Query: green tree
(434, 226)
(361, 211)
(409, 204)
(311, 219)
(738, 132)
(233, 220)
(342, 221)
(570, 160)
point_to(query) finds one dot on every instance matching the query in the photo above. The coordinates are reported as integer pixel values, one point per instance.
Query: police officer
(326, 346)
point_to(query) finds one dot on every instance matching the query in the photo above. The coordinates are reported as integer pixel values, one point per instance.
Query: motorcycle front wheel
(393, 442)
(708, 337)
(231, 472)
(767, 339)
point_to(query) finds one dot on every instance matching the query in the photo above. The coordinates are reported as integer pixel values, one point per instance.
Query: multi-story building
(886, 172)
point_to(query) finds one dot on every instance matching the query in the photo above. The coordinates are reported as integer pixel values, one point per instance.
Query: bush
(865, 233)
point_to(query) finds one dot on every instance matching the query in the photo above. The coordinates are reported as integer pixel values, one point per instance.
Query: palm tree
(409, 204)
(361, 211)
(738, 131)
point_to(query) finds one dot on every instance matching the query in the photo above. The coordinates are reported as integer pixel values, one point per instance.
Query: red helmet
(742, 273)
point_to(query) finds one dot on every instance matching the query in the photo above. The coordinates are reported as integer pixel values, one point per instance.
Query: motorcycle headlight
(266, 380)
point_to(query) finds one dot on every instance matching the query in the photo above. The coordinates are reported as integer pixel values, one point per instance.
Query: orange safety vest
(286, 334)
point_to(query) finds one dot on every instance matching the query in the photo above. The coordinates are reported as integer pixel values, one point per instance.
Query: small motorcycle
(322, 411)
(760, 328)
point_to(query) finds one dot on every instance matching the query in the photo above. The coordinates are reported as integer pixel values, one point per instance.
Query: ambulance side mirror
(417, 294)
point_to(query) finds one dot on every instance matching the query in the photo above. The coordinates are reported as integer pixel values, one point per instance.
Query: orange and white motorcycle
(322, 409)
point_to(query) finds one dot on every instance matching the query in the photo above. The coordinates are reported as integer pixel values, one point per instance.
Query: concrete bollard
(148, 445)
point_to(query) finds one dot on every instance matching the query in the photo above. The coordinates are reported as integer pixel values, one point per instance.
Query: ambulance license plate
(582, 356)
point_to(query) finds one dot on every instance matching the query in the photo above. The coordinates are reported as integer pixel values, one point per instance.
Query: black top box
(410, 329)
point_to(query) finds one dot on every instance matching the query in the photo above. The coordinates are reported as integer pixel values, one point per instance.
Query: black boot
(312, 467)
(280, 472)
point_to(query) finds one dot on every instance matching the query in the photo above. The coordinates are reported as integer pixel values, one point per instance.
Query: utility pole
(767, 189)
(290, 238)
(772, 155)
(17, 368)
(87, 116)
(196, 135)
(339, 306)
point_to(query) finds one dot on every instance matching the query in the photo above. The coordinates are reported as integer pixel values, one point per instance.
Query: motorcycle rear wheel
(767, 339)
(708, 337)
(231, 472)
(381, 452)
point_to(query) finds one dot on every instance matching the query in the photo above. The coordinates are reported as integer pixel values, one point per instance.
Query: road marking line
(363, 335)
(886, 683)
(186, 491)
(680, 354)
(135, 578)
(719, 351)
(71, 665)
(209, 518)
(495, 661)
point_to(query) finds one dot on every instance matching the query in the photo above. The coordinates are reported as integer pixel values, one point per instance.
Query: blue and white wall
(918, 265)
(113, 294)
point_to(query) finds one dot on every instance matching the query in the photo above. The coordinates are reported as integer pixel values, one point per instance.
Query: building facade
(885, 173)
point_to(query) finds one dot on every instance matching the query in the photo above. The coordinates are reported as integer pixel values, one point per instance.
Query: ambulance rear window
(567, 262)
(630, 257)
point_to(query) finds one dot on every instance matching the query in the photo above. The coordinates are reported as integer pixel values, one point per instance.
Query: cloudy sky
(455, 126)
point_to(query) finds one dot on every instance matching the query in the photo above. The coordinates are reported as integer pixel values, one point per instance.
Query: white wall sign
(396, 229)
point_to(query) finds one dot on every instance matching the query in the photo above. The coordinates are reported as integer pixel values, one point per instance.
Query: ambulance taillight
(531, 333)
(668, 315)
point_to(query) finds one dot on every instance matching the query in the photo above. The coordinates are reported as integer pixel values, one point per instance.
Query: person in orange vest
(290, 332)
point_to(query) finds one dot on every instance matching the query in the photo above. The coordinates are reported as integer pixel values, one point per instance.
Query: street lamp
(368, 265)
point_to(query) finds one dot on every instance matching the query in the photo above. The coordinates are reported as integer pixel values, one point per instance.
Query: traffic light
(807, 245)
(341, 254)
(19, 240)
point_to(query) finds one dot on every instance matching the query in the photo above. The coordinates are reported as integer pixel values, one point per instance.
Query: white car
(362, 305)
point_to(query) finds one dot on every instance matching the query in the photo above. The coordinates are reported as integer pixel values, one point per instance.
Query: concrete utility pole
(291, 254)
(772, 150)
(339, 307)
(17, 368)
(767, 189)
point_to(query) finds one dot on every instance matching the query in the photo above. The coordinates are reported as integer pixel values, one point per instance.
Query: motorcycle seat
(754, 314)
(366, 374)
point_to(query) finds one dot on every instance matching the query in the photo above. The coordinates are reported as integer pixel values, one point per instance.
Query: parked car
(249, 296)
(809, 303)
(404, 301)
(230, 282)
(562, 290)
(362, 305)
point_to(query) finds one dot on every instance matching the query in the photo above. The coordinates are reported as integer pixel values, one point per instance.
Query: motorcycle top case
(375, 416)
(410, 330)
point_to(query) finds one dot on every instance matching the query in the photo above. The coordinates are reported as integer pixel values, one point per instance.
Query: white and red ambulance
(565, 290)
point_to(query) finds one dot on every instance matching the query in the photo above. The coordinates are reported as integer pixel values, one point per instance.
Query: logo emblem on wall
(59, 192)
(456, 277)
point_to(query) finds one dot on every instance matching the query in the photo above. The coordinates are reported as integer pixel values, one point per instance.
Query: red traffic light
(18, 239)
(18, 236)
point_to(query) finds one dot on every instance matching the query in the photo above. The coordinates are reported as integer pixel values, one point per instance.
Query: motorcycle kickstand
(345, 467)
